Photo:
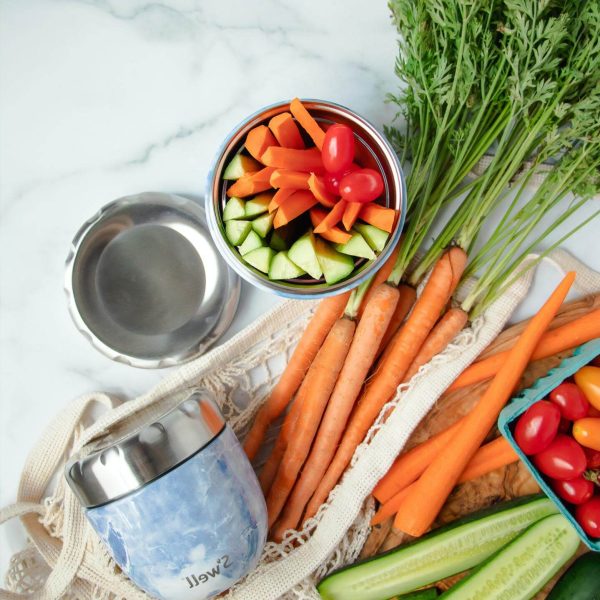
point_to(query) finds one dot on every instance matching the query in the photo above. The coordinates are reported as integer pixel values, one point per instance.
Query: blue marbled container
(191, 532)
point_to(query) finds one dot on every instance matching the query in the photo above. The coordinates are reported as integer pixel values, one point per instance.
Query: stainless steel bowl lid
(145, 283)
(138, 457)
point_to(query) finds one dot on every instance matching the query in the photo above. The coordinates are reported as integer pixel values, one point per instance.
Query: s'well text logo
(196, 580)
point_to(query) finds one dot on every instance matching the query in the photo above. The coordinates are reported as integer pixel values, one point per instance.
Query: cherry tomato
(588, 516)
(588, 380)
(563, 459)
(593, 458)
(565, 426)
(570, 400)
(338, 148)
(587, 432)
(575, 491)
(537, 427)
(332, 180)
(363, 185)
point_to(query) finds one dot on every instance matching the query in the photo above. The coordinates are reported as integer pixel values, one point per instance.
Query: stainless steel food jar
(176, 502)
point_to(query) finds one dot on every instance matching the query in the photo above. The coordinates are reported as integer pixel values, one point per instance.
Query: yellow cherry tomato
(587, 432)
(588, 380)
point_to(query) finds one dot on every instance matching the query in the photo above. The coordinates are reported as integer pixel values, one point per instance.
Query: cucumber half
(239, 166)
(234, 209)
(444, 552)
(236, 231)
(522, 568)
(283, 268)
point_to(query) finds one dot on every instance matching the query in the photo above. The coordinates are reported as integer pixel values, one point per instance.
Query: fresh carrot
(252, 183)
(316, 389)
(421, 506)
(377, 215)
(408, 295)
(351, 214)
(392, 369)
(352, 376)
(335, 234)
(488, 458)
(411, 464)
(286, 131)
(307, 122)
(295, 160)
(333, 217)
(445, 330)
(279, 198)
(282, 178)
(561, 338)
(380, 277)
(258, 140)
(317, 187)
(317, 329)
(293, 206)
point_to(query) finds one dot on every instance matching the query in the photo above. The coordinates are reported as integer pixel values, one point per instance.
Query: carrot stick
(317, 387)
(286, 131)
(295, 160)
(258, 140)
(335, 234)
(408, 295)
(356, 367)
(293, 206)
(377, 215)
(445, 330)
(317, 187)
(351, 214)
(561, 338)
(279, 198)
(307, 122)
(410, 465)
(251, 183)
(317, 329)
(392, 369)
(333, 217)
(282, 178)
(421, 506)
(489, 457)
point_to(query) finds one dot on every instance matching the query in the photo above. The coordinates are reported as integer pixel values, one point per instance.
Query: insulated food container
(176, 502)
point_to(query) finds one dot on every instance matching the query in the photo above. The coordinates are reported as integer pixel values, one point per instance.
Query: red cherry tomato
(332, 180)
(575, 491)
(593, 458)
(363, 185)
(565, 426)
(338, 148)
(570, 400)
(588, 516)
(563, 459)
(537, 427)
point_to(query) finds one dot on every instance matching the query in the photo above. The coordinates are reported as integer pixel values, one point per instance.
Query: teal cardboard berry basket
(540, 389)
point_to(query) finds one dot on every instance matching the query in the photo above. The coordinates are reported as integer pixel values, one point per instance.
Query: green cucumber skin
(369, 580)
(428, 594)
(493, 580)
(581, 581)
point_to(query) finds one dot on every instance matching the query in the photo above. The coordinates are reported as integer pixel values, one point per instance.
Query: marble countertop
(104, 98)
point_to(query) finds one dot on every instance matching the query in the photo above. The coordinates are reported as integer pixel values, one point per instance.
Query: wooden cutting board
(503, 484)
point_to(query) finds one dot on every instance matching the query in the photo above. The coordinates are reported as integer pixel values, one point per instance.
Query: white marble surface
(103, 98)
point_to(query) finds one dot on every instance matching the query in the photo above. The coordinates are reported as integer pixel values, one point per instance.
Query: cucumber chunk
(258, 205)
(304, 254)
(356, 246)
(236, 231)
(260, 258)
(335, 265)
(283, 268)
(277, 242)
(239, 166)
(234, 209)
(522, 568)
(252, 242)
(446, 551)
(262, 225)
(375, 237)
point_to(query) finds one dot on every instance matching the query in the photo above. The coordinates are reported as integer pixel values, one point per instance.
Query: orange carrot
(377, 215)
(317, 187)
(293, 206)
(307, 122)
(252, 183)
(295, 160)
(317, 385)
(421, 506)
(445, 330)
(333, 217)
(351, 214)
(380, 277)
(561, 338)
(488, 458)
(410, 465)
(317, 329)
(258, 140)
(286, 131)
(352, 376)
(408, 296)
(279, 198)
(335, 234)
(392, 369)
(282, 178)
